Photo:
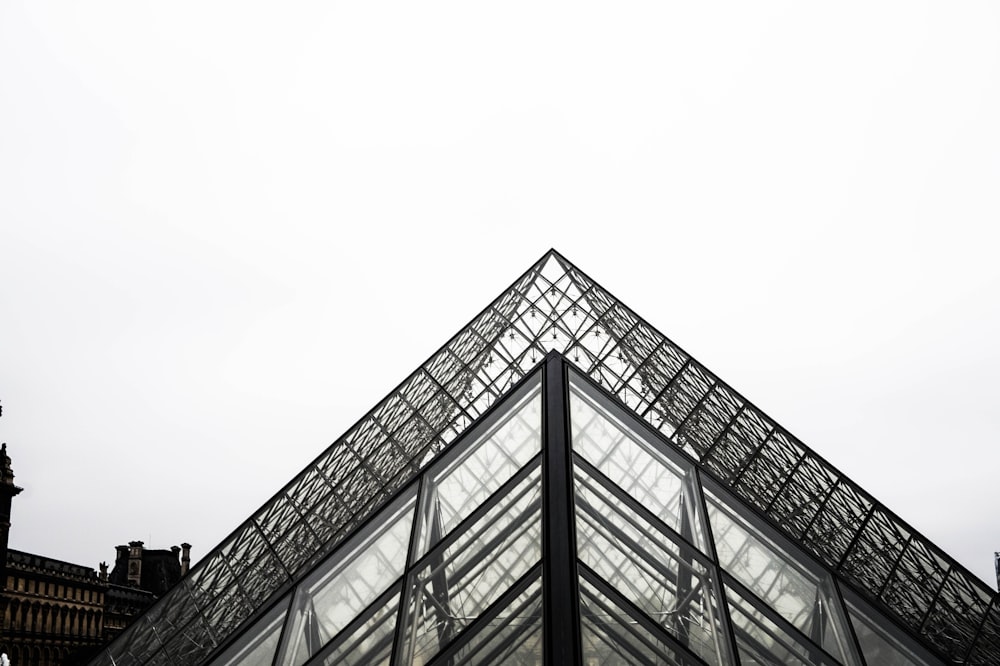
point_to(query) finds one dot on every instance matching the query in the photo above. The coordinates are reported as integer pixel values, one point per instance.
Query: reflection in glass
(513, 637)
(256, 646)
(797, 588)
(454, 583)
(664, 578)
(762, 640)
(659, 478)
(370, 641)
(461, 481)
(340, 589)
(879, 643)
(611, 637)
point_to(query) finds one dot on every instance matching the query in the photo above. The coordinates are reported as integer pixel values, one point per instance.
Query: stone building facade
(54, 613)
(51, 609)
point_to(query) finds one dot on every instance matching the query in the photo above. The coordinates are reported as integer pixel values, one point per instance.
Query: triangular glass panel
(657, 572)
(881, 642)
(467, 475)
(789, 582)
(614, 633)
(656, 476)
(457, 580)
(368, 640)
(333, 595)
(257, 645)
(509, 632)
(764, 637)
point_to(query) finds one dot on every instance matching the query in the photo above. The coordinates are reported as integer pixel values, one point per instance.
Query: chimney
(185, 558)
(135, 563)
(121, 557)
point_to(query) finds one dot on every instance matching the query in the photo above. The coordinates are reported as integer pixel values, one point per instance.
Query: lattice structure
(769, 544)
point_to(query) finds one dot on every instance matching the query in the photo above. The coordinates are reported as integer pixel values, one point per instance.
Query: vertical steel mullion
(421, 502)
(560, 584)
(726, 615)
(855, 642)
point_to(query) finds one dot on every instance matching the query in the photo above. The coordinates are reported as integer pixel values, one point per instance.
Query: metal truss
(554, 306)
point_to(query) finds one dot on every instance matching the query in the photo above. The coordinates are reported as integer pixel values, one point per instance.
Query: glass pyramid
(561, 484)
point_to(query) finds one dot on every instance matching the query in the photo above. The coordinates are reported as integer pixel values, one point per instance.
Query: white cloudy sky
(227, 229)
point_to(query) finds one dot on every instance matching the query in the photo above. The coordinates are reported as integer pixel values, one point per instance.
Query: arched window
(33, 618)
(14, 612)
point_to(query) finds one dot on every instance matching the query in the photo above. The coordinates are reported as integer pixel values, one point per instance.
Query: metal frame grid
(493, 547)
(438, 574)
(555, 306)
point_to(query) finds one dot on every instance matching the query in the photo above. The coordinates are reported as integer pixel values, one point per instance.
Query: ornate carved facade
(51, 609)
(54, 613)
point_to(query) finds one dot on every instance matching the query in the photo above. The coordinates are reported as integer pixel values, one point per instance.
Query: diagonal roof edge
(555, 306)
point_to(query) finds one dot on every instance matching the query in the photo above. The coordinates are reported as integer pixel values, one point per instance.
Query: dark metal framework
(561, 594)
(860, 555)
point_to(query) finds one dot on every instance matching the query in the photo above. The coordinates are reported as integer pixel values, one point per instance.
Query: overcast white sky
(228, 229)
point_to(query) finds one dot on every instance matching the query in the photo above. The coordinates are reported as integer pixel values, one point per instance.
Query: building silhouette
(562, 484)
(54, 613)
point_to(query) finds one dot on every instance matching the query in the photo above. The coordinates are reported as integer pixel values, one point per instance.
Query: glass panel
(880, 643)
(763, 641)
(458, 580)
(349, 581)
(256, 646)
(789, 582)
(461, 481)
(367, 643)
(657, 477)
(513, 637)
(611, 637)
(666, 579)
